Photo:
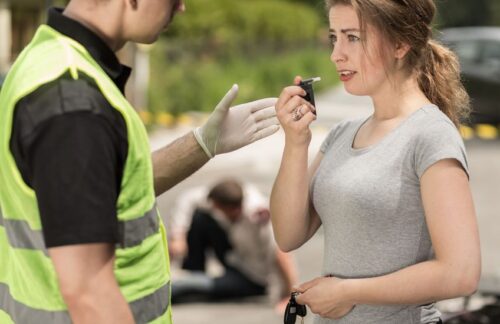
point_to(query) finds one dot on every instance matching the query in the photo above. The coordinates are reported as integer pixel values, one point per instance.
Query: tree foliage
(229, 24)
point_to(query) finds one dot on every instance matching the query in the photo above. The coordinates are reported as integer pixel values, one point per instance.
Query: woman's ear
(401, 50)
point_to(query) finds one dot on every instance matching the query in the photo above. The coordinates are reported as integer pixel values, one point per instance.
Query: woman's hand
(295, 114)
(325, 296)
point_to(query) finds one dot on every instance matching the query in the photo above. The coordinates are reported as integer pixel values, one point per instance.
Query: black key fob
(301, 310)
(291, 311)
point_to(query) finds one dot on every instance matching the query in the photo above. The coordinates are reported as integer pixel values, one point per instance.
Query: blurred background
(259, 44)
(262, 45)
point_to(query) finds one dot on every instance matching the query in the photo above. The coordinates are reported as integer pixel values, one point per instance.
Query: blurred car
(478, 49)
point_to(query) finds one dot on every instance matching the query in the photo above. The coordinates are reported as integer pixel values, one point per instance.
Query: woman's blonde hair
(409, 22)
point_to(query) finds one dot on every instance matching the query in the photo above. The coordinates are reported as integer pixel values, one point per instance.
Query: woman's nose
(338, 53)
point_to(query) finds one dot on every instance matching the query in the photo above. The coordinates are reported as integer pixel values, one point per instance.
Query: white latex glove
(229, 128)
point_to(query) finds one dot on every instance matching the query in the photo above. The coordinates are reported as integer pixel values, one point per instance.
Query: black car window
(491, 54)
(467, 50)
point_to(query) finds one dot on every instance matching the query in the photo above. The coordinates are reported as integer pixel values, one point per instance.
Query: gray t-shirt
(369, 202)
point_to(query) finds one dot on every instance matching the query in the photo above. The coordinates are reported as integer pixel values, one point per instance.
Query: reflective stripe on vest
(22, 236)
(132, 232)
(144, 309)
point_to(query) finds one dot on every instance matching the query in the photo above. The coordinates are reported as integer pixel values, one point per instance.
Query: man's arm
(177, 161)
(227, 129)
(88, 285)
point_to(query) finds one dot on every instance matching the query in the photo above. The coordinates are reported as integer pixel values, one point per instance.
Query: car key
(293, 309)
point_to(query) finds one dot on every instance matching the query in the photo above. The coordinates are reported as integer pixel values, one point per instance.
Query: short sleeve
(439, 141)
(75, 174)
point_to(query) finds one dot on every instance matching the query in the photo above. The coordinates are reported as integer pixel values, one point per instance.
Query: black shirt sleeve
(71, 147)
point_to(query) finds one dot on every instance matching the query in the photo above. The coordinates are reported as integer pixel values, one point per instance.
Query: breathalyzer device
(307, 85)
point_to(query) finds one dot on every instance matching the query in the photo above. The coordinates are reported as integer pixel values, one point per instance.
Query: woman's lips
(346, 75)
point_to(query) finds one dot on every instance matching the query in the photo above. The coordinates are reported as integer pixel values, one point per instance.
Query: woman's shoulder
(432, 123)
(436, 138)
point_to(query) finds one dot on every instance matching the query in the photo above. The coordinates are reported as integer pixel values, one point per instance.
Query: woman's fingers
(307, 119)
(294, 104)
(302, 110)
(287, 94)
(305, 286)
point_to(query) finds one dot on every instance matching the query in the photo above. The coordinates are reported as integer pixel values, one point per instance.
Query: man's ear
(132, 3)
(401, 50)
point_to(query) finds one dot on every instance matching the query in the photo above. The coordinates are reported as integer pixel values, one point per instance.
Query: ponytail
(439, 79)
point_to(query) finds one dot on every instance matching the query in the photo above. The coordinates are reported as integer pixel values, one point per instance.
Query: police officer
(80, 236)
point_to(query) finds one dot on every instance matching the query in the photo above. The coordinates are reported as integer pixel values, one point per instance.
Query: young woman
(391, 190)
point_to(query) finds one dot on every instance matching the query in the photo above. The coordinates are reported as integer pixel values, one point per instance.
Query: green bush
(198, 85)
(228, 25)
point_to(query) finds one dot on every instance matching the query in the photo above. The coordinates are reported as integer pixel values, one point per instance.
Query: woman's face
(360, 66)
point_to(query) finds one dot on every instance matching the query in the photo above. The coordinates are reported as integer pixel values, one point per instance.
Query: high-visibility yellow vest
(29, 291)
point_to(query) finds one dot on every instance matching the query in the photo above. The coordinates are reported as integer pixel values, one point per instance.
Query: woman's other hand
(326, 296)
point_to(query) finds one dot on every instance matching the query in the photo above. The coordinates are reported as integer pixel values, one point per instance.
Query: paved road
(259, 164)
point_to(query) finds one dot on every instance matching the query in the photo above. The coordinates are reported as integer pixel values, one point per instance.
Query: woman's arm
(451, 221)
(294, 222)
(454, 272)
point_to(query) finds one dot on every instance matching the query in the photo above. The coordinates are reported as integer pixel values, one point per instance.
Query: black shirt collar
(97, 48)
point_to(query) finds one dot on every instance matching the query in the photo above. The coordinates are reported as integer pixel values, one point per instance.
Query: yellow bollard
(164, 119)
(467, 132)
(184, 120)
(145, 116)
(486, 131)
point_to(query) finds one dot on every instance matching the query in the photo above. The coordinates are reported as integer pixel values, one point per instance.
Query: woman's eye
(353, 38)
(333, 39)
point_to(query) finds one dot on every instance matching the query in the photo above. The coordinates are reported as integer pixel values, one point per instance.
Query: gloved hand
(229, 128)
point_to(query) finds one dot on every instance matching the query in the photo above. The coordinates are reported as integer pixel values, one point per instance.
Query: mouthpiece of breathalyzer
(307, 85)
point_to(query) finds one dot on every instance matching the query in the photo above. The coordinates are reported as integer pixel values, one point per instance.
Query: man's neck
(102, 19)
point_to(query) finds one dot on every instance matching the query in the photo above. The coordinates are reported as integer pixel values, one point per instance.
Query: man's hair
(227, 193)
